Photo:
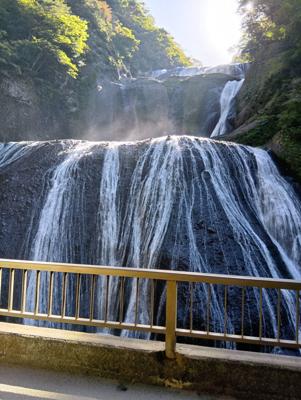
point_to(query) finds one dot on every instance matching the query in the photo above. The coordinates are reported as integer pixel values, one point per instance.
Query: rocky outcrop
(27, 112)
(129, 109)
(144, 107)
(269, 107)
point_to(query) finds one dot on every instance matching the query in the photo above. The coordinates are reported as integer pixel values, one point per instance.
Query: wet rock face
(22, 183)
(171, 203)
(145, 107)
(27, 115)
(125, 110)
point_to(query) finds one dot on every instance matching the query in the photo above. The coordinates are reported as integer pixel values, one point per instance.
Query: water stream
(175, 202)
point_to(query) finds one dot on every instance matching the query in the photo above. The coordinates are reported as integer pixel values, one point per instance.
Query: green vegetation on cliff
(54, 39)
(270, 21)
(41, 39)
(157, 48)
(55, 54)
(270, 101)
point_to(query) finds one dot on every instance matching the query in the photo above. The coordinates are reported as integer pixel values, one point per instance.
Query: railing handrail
(171, 278)
(165, 275)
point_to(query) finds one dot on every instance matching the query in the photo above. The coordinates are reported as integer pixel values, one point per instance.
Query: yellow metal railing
(14, 300)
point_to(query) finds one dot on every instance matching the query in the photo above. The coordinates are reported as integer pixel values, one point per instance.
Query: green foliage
(111, 44)
(267, 21)
(45, 43)
(157, 49)
(123, 39)
(261, 134)
(272, 94)
(41, 38)
(291, 151)
(54, 39)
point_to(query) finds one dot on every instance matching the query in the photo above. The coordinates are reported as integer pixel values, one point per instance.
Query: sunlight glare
(223, 27)
(205, 29)
(249, 6)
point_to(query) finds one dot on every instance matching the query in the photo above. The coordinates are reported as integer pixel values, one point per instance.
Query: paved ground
(19, 383)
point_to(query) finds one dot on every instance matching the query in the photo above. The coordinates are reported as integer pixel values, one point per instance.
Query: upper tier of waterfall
(227, 107)
(238, 70)
(140, 108)
(179, 101)
(196, 101)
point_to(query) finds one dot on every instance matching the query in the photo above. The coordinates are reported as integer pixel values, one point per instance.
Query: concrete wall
(241, 374)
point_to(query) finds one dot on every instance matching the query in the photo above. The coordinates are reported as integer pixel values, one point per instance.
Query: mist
(141, 108)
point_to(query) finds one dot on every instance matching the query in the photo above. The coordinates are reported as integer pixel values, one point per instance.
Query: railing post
(171, 319)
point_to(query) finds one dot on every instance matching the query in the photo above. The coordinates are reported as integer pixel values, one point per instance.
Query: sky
(205, 29)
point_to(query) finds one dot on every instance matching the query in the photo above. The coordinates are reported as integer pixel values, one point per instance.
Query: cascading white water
(280, 208)
(281, 215)
(176, 202)
(11, 152)
(238, 70)
(108, 216)
(63, 203)
(108, 228)
(55, 239)
(151, 199)
(228, 95)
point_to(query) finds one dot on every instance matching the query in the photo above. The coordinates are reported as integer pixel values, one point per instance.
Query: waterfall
(107, 217)
(228, 95)
(55, 237)
(12, 152)
(281, 214)
(58, 230)
(176, 202)
(237, 70)
(108, 229)
(151, 199)
(280, 208)
(185, 100)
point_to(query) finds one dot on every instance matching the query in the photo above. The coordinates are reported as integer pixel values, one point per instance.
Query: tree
(42, 37)
(156, 48)
(267, 21)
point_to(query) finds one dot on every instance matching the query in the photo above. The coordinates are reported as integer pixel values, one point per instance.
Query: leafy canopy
(41, 37)
(55, 39)
(270, 21)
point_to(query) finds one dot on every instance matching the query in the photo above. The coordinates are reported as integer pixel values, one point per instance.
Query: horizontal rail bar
(172, 279)
(238, 338)
(83, 321)
(178, 276)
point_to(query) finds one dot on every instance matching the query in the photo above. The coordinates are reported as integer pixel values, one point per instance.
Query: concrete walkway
(20, 383)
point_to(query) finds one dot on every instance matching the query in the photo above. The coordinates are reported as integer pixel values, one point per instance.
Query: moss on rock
(270, 104)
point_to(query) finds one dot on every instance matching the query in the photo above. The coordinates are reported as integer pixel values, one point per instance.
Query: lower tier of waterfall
(176, 203)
